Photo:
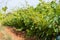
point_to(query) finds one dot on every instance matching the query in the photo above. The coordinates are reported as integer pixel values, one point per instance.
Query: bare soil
(13, 35)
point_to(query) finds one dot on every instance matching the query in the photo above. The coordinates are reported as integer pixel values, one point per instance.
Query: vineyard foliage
(42, 21)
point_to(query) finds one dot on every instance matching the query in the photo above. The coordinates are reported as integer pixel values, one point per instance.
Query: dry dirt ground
(7, 33)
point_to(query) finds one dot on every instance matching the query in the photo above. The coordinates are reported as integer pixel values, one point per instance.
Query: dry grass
(4, 35)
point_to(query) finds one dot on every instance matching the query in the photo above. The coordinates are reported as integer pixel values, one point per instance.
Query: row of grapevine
(42, 21)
